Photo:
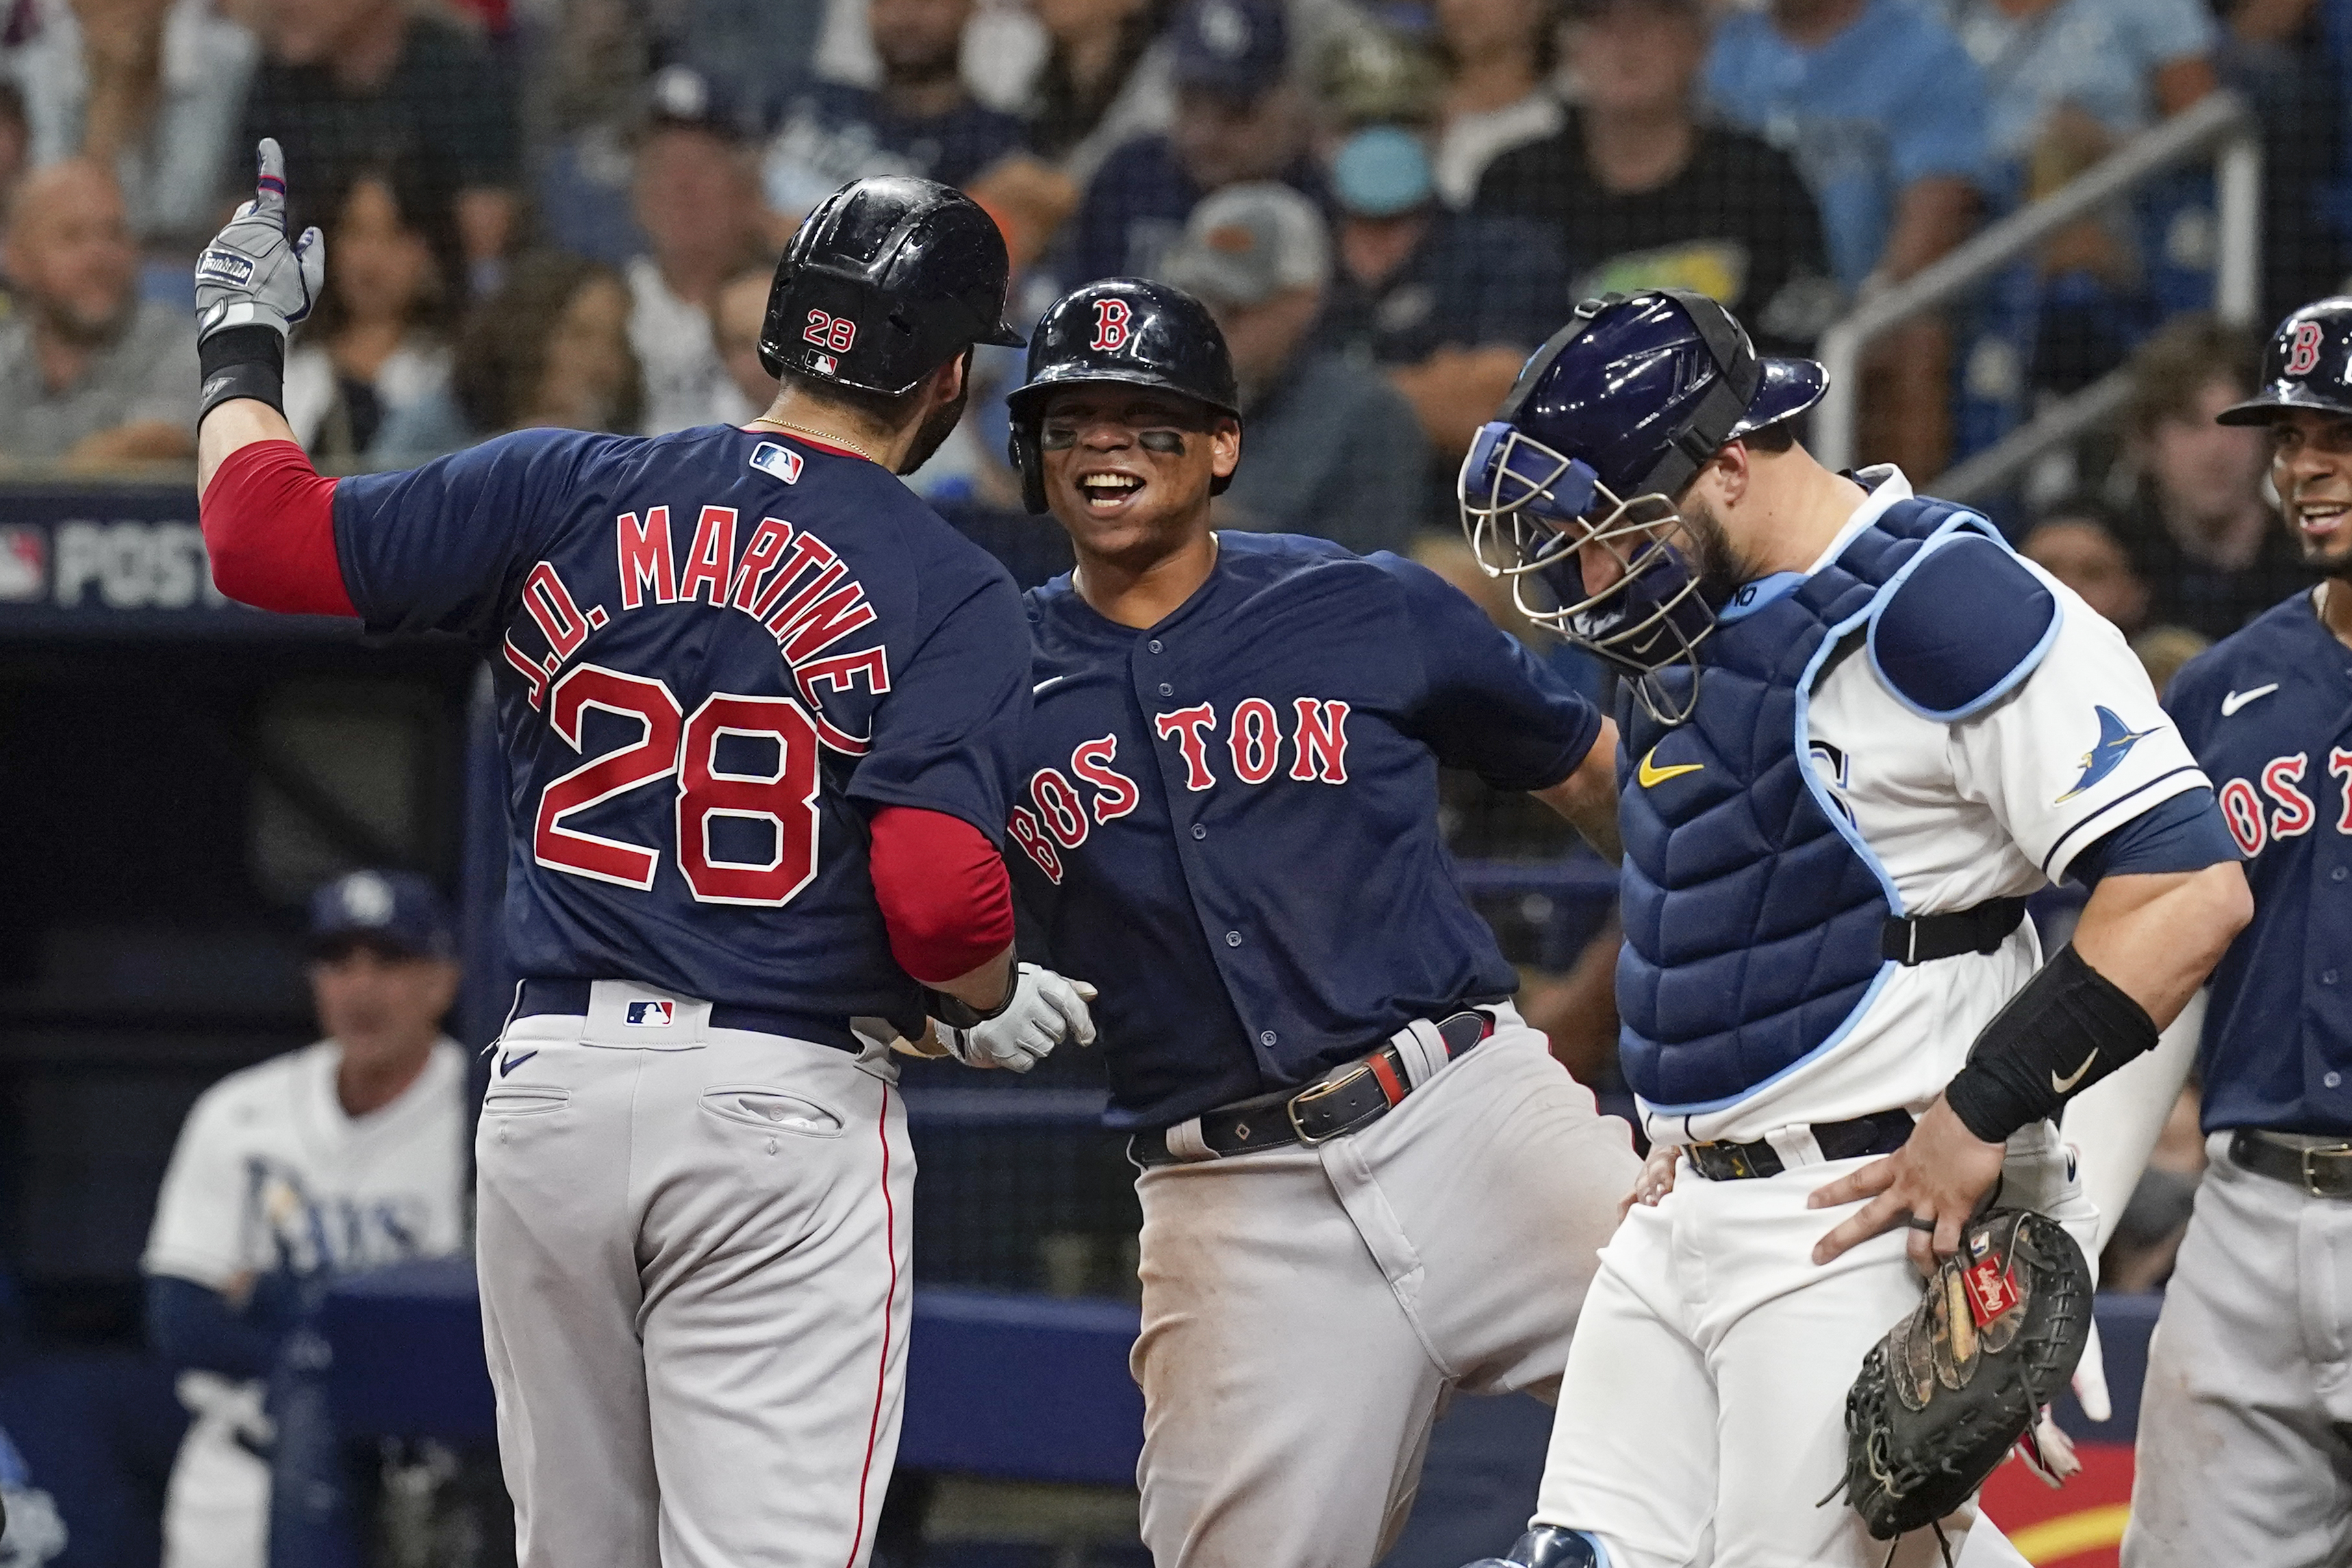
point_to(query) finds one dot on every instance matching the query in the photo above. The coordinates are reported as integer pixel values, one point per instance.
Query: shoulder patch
(1960, 627)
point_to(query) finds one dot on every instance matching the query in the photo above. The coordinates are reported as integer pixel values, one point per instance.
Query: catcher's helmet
(2304, 366)
(1121, 330)
(1606, 425)
(885, 281)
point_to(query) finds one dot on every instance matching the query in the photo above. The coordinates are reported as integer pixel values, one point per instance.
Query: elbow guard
(2070, 1027)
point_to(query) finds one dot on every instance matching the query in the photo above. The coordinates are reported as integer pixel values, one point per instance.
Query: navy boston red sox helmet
(885, 281)
(2304, 366)
(1125, 330)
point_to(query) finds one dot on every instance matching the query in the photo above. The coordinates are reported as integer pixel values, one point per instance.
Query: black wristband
(959, 1013)
(2067, 1029)
(241, 361)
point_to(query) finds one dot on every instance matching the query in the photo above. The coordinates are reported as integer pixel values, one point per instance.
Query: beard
(1718, 564)
(936, 426)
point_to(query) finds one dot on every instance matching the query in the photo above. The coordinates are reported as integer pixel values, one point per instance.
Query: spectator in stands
(2067, 80)
(1884, 113)
(1643, 194)
(343, 83)
(1106, 80)
(151, 89)
(551, 348)
(1236, 119)
(349, 1153)
(736, 318)
(698, 200)
(378, 340)
(2198, 527)
(2080, 542)
(1449, 303)
(1499, 56)
(90, 376)
(1334, 450)
(15, 140)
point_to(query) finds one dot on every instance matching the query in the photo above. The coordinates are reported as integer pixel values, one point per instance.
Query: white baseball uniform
(269, 1173)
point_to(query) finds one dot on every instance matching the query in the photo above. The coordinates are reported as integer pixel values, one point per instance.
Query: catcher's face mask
(1613, 580)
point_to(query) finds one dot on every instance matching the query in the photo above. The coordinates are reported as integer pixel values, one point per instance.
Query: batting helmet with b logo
(2307, 364)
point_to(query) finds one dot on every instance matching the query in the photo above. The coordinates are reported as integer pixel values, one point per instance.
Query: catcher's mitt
(1942, 1397)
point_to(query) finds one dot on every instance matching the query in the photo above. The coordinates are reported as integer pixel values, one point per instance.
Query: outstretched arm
(253, 284)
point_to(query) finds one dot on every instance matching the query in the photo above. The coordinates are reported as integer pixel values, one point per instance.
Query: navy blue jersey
(1231, 818)
(715, 653)
(2269, 713)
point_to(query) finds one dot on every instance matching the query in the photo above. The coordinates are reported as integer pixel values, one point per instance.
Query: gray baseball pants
(693, 1244)
(1308, 1311)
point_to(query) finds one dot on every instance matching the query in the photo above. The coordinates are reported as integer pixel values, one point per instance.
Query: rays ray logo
(2115, 740)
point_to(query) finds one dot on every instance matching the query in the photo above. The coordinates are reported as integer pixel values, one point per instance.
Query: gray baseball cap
(1247, 243)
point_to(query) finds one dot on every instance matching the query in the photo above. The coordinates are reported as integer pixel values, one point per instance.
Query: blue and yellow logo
(2115, 740)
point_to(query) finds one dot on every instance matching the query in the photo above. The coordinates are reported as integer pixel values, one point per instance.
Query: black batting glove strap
(958, 1014)
(2067, 1029)
(242, 361)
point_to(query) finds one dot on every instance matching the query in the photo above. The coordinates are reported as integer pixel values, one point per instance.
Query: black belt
(1863, 1136)
(2324, 1172)
(568, 998)
(1342, 1102)
(1981, 927)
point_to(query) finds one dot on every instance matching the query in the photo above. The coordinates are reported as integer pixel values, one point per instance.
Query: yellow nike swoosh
(1651, 774)
(2061, 1085)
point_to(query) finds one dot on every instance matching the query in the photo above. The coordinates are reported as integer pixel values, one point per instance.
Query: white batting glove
(254, 274)
(1044, 1010)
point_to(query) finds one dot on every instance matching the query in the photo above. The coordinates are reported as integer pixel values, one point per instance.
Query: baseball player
(2244, 1452)
(758, 705)
(1365, 1182)
(349, 1153)
(1858, 730)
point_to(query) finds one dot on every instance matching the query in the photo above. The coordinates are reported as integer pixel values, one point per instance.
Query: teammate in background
(1365, 1182)
(2244, 1452)
(349, 1153)
(1858, 730)
(759, 706)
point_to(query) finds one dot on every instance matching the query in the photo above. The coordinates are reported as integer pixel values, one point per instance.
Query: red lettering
(1058, 804)
(808, 550)
(767, 542)
(2339, 763)
(645, 558)
(1116, 795)
(549, 603)
(1255, 741)
(653, 756)
(826, 623)
(1321, 744)
(530, 672)
(780, 620)
(840, 672)
(1185, 727)
(2296, 813)
(706, 563)
(1031, 837)
(2243, 810)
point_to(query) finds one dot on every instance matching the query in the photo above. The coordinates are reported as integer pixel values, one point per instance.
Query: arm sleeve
(2183, 833)
(192, 1327)
(945, 895)
(270, 527)
(1943, 131)
(433, 548)
(947, 738)
(2079, 749)
(1485, 703)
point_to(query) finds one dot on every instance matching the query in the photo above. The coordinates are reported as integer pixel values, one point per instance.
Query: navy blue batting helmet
(1606, 425)
(2305, 365)
(1127, 331)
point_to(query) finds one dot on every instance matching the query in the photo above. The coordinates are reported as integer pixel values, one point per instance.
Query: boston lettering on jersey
(1230, 818)
(716, 653)
(2268, 713)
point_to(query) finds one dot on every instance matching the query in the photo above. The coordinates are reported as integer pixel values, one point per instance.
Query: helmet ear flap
(1029, 462)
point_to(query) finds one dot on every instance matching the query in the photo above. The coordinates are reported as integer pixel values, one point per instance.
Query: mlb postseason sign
(123, 560)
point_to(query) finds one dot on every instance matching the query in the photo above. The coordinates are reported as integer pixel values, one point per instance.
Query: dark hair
(1780, 436)
(1548, 16)
(427, 209)
(2077, 508)
(1061, 118)
(2181, 361)
(502, 354)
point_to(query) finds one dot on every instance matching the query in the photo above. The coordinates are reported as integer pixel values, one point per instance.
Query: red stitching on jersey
(889, 1299)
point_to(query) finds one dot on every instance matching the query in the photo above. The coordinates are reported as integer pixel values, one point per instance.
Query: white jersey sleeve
(199, 1216)
(2079, 749)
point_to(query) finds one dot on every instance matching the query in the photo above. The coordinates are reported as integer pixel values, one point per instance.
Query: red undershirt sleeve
(945, 897)
(270, 527)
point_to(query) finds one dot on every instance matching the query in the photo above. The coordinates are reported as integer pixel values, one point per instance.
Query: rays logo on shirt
(2115, 740)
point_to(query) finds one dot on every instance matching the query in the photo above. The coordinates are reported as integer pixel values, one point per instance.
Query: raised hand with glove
(253, 284)
(1040, 1011)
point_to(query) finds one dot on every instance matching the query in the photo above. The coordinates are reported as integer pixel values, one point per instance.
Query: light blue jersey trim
(1754, 596)
(2007, 683)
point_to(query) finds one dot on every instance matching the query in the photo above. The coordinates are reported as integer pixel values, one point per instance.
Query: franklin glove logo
(226, 267)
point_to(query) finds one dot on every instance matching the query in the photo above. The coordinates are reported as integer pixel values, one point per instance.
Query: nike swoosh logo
(512, 1060)
(2061, 1085)
(1652, 775)
(1049, 680)
(2237, 700)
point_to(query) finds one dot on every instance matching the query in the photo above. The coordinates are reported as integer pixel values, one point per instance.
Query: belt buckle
(2342, 1172)
(1317, 1091)
(1734, 1156)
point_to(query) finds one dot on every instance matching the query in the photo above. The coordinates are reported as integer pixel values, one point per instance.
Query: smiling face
(1127, 470)
(2311, 467)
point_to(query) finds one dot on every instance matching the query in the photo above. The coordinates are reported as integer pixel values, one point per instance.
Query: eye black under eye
(1167, 441)
(1057, 437)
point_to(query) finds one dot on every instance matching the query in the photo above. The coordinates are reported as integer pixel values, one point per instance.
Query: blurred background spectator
(1641, 193)
(550, 347)
(2080, 542)
(1499, 56)
(378, 341)
(1327, 448)
(1105, 79)
(90, 375)
(736, 318)
(1884, 113)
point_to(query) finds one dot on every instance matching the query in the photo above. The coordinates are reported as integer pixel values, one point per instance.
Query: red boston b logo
(1111, 317)
(2303, 354)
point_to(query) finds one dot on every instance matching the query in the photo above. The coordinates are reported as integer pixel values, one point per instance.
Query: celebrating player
(758, 705)
(1859, 729)
(1365, 1182)
(2243, 1452)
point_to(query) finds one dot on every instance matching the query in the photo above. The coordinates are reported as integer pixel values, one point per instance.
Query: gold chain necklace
(829, 440)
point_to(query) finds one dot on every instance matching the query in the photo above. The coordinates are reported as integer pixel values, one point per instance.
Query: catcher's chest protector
(1752, 908)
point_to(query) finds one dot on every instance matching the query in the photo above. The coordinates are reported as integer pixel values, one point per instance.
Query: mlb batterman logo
(650, 1015)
